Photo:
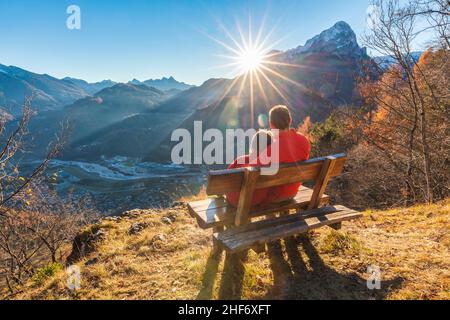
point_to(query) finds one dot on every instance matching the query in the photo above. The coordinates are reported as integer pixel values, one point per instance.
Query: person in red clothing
(260, 142)
(293, 147)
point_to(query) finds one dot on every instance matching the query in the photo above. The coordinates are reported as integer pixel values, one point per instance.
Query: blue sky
(121, 40)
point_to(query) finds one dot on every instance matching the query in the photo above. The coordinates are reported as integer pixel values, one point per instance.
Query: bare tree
(12, 182)
(392, 34)
(437, 15)
(32, 219)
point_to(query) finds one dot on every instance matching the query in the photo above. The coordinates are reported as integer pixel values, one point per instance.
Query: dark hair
(280, 117)
(259, 143)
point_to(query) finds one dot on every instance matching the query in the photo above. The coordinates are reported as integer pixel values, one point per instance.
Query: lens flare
(251, 59)
(255, 64)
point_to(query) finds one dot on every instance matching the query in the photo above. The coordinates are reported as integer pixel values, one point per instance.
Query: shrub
(47, 272)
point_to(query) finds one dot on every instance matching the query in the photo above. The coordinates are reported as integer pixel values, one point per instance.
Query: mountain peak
(167, 84)
(135, 81)
(342, 25)
(340, 39)
(341, 35)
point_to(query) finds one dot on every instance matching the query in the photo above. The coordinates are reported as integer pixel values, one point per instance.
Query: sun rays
(255, 65)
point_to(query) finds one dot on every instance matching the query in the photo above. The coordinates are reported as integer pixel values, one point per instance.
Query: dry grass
(411, 246)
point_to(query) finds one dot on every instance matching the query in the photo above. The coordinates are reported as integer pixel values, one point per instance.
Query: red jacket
(293, 147)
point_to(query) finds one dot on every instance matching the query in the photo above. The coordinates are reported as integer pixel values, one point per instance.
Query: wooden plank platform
(241, 238)
(216, 212)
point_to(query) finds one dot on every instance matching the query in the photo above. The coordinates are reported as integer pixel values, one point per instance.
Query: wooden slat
(281, 220)
(241, 238)
(222, 182)
(322, 182)
(246, 196)
(216, 212)
(219, 202)
(300, 173)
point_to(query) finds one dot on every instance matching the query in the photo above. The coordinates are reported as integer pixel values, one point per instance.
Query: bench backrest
(247, 180)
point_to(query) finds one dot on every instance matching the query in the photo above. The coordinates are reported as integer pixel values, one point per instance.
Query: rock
(170, 217)
(166, 220)
(137, 228)
(133, 213)
(178, 204)
(85, 243)
(158, 238)
(113, 219)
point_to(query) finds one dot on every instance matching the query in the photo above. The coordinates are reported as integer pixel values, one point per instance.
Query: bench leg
(337, 226)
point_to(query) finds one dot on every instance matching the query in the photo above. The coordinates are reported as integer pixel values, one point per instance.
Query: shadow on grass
(233, 276)
(293, 277)
(209, 277)
(294, 280)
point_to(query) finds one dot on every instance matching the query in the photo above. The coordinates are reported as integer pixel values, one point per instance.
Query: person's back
(260, 142)
(293, 147)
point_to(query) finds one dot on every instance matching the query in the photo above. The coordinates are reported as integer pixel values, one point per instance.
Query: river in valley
(118, 184)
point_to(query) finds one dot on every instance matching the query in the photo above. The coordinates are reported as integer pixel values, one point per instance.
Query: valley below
(114, 185)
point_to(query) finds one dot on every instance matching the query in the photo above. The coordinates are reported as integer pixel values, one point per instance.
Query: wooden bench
(236, 230)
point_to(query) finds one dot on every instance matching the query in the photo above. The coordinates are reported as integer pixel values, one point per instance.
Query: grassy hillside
(172, 261)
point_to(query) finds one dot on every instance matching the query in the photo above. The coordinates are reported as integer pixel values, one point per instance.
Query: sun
(250, 59)
(256, 65)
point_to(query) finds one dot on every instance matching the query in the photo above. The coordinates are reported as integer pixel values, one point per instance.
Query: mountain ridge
(164, 84)
(50, 93)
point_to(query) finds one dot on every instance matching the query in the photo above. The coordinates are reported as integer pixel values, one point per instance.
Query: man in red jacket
(293, 147)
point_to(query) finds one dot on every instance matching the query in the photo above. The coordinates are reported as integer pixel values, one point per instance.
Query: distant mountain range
(164, 84)
(50, 93)
(136, 119)
(89, 116)
(90, 88)
(384, 62)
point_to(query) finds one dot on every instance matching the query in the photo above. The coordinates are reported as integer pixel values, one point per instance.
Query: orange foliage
(306, 128)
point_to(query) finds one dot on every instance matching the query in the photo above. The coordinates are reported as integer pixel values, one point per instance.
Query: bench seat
(241, 238)
(216, 212)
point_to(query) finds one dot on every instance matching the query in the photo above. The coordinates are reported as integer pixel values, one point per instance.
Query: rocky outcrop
(85, 243)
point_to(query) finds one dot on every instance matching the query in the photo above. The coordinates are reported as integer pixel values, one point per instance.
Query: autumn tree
(411, 100)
